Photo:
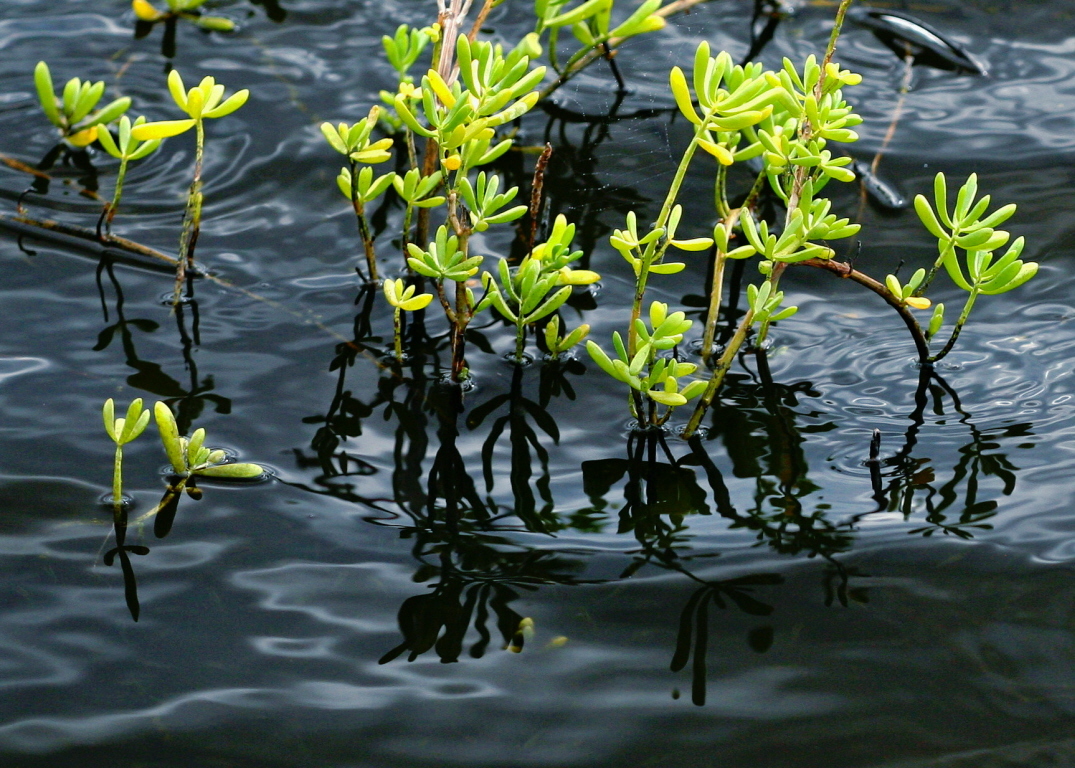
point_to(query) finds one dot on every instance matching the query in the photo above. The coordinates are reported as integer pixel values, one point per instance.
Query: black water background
(266, 610)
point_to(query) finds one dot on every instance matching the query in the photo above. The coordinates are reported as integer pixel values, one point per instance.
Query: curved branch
(841, 269)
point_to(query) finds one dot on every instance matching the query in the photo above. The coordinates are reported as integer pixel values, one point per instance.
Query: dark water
(771, 607)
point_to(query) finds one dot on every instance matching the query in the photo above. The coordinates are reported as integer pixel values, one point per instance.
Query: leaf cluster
(73, 112)
(645, 372)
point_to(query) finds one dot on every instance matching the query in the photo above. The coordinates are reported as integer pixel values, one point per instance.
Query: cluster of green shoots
(786, 121)
(459, 119)
(189, 457)
(72, 113)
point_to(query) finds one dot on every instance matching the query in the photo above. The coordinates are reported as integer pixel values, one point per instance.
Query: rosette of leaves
(73, 111)
(810, 221)
(793, 138)
(538, 286)
(190, 457)
(560, 345)
(656, 378)
(486, 203)
(403, 299)
(968, 229)
(122, 431)
(765, 303)
(181, 9)
(461, 116)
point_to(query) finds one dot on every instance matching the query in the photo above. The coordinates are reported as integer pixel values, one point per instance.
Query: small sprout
(122, 431)
(403, 299)
(189, 456)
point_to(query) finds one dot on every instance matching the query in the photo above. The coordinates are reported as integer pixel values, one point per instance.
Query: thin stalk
(959, 326)
(408, 213)
(652, 254)
(837, 27)
(397, 333)
(363, 226)
(117, 480)
(520, 338)
(192, 217)
(719, 371)
(111, 208)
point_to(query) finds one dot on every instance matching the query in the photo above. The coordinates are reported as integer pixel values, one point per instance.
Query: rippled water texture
(779, 603)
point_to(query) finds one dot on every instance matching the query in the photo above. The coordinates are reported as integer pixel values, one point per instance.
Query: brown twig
(844, 270)
(537, 193)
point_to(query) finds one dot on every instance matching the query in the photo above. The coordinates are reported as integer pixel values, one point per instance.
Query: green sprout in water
(122, 431)
(181, 9)
(539, 285)
(403, 299)
(71, 112)
(357, 185)
(190, 457)
(125, 149)
(205, 100)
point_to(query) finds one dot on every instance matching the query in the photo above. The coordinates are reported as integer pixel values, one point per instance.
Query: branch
(841, 269)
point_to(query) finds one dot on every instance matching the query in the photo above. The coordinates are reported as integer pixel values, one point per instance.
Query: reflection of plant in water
(913, 478)
(693, 635)
(523, 437)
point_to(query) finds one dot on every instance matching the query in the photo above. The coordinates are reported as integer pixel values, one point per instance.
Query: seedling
(359, 186)
(126, 148)
(189, 456)
(403, 299)
(539, 286)
(205, 100)
(122, 431)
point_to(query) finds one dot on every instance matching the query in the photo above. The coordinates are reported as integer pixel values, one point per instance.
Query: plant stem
(653, 253)
(192, 217)
(117, 480)
(959, 326)
(110, 210)
(397, 332)
(587, 56)
(841, 269)
(363, 227)
(520, 337)
(719, 371)
(837, 27)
